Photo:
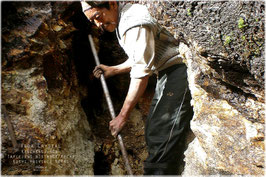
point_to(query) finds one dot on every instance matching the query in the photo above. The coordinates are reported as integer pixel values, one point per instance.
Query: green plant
(257, 52)
(189, 12)
(227, 40)
(241, 23)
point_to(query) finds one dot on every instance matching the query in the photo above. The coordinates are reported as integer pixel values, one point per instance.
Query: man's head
(104, 14)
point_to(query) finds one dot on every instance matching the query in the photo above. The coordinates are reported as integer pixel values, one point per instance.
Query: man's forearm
(136, 89)
(122, 68)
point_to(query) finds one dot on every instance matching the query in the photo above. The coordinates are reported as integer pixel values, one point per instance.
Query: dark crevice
(101, 164)
(235, 96)
(260, 166)
(91, 93)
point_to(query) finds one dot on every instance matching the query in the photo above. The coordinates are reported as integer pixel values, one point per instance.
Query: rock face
(59, 114)
(41, 94)
(225, 59)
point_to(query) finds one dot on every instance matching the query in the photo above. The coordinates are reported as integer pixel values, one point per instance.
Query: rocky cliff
(41, 94)
(58, 112)
(225, 58)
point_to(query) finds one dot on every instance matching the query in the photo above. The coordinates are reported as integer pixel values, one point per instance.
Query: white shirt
(139, 45)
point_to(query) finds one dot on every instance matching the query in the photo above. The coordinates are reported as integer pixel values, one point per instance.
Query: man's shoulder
(134, 10)
(139, 6)
(134, 15)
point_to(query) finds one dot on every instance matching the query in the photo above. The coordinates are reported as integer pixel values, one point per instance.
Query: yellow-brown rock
(39, 90)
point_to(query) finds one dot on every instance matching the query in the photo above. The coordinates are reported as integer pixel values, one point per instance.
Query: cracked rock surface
(225, 58)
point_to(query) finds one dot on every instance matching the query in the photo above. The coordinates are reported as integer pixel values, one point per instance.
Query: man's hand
(117, 124)
(136, 89)
(107, 71)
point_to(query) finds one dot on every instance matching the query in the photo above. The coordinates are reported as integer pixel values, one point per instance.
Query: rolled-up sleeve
(139, 45)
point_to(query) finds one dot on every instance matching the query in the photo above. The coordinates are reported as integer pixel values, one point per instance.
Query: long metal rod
(111, 107)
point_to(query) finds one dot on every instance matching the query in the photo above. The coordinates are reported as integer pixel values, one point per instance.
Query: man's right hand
(107, 71)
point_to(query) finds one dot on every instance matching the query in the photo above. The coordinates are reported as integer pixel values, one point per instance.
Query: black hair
(104, 5)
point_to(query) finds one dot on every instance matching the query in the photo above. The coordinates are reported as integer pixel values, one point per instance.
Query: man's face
(103, 18)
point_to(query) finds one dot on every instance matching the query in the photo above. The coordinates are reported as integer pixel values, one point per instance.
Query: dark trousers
(169, 116)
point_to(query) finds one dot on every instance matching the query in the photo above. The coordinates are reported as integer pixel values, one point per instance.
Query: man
(151, 50)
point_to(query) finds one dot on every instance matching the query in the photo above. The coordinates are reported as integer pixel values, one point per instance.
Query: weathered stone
(225, 59)
(39, 90)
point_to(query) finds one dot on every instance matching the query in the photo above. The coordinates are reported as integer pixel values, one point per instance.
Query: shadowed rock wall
(41, 94)
(225, 58)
